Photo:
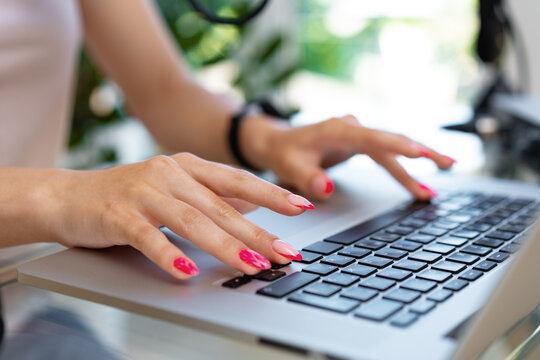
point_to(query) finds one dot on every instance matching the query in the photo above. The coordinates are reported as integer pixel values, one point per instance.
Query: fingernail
(186, 266)
(322, 184)
(300, 202)
(424, 151)
(432, 193)
(449, 158)
(254, 259)
(284, 249)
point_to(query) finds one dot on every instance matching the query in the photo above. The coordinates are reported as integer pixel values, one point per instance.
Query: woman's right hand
(125, 205)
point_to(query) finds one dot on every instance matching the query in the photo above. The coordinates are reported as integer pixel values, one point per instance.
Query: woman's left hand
(298, 156)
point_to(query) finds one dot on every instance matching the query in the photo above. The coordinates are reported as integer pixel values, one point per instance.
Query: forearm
(28, 204)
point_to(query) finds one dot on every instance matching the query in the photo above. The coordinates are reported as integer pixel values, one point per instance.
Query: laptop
(383, 277)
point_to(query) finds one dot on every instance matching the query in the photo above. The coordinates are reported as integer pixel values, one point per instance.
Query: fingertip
(322, 186)
(186, 267)
(429, 192)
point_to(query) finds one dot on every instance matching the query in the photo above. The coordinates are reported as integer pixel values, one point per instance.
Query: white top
(39, 48)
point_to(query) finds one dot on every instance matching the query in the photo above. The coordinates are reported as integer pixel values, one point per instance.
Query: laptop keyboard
(406, 262)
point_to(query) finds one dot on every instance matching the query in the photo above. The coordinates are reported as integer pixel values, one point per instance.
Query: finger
(190, 223)
(306, 175)
(443, 162)
(240, 205)
(236, 183)
(156, 247)
(419, 190)
(230, 220)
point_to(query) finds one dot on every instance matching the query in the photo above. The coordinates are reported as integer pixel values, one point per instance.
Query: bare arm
(130, 43)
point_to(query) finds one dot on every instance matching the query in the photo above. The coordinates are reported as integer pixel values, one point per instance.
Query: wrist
(256, 137)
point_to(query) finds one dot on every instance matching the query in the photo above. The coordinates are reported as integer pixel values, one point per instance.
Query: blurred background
(407, 66)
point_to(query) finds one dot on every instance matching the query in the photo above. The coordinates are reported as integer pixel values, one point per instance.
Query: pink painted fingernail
(322, 185)
(432, 193)
(449, 158)
(329, 187)
(424, 151)
(286, 250)
(254, 259)
(300, 202)
(186, 266)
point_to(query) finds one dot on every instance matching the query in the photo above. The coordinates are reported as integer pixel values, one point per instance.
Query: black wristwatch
(261, 106)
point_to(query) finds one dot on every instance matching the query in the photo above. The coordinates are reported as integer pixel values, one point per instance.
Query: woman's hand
(125, 205)
(298, 156)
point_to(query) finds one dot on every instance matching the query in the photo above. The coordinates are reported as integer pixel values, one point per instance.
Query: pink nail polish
(329, 187)
(286, 250)
(186, 266)
(300, 202)
(424, 151)
(432, 193)
(449, 158)
(254, 259)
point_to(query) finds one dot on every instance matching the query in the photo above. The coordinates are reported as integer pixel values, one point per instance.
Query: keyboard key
(485, 265)
(414, 223)
(433, 231)
(422, 306)
(492, 220)
(370, 244)
(323, 247)
(452, 241)
(459, 218)
(400, 230)
(386, 237)
(337, 260)
(466, 234)
(500, 235)
(512, 228)
(439, 248)
(478, 227)
(394, 274)
(354, 252)
(270, 275)
(419, 285)
(455, 284)
(279, 266)
(320, 269)
(378, 310)
(448, 225)
(341, 279)
(393, 254)
(404, 319)
(510, 248)
(421, 238)
(410, 265)
(449, 266)
(463, 258)
(498, 257)
(471, 275)
(360, 270)
(425, 257)
(288, 284)
(425, 216)
(337, 304)
(434, 275)
(377, 283)
(309, 257)
(359, 293)
(492, 243)
(406, 245)
(236, 282)
(375, 261)
(322, 289)
(360, 231)
(476, 250)
(402, 295)
(439, 295)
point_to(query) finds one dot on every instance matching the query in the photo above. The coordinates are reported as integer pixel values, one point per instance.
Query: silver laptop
(382, 277)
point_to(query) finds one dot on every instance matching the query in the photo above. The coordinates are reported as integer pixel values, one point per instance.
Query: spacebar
(364, 229)
(287, 285)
